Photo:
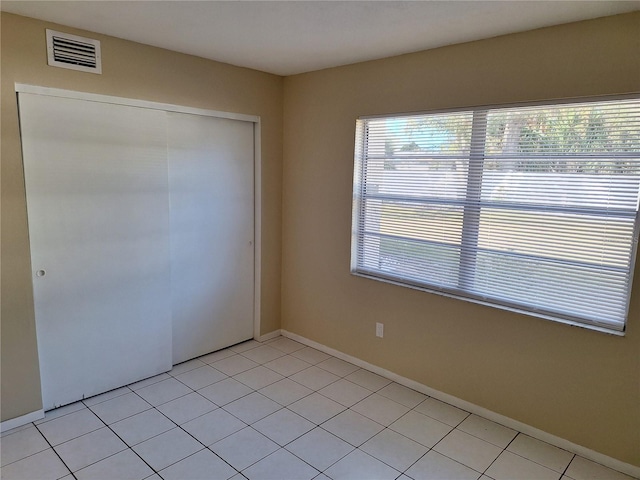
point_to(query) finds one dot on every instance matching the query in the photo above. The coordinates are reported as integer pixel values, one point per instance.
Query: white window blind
(531, 208)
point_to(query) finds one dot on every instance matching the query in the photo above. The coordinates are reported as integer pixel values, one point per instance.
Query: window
(532, 208)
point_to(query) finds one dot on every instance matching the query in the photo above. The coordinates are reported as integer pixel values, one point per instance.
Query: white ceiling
(289, 37)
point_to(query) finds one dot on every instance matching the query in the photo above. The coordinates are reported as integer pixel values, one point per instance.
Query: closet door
(98, 209)
(212, 232)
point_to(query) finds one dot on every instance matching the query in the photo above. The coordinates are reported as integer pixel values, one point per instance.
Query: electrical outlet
(380, 330)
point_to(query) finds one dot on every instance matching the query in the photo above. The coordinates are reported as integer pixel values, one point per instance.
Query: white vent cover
(70, 51)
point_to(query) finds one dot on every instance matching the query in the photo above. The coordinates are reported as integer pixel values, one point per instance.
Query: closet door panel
(211, 187)
(96, 178)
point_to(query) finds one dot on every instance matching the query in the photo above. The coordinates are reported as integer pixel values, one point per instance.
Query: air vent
(70, 51)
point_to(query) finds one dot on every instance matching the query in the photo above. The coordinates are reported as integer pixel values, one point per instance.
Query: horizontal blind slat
(549, 225)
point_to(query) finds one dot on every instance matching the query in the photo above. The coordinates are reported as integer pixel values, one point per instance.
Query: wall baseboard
(476, 409)
(21, 420)
(269, 336)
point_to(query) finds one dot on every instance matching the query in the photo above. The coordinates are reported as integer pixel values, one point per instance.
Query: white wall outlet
(380, 330)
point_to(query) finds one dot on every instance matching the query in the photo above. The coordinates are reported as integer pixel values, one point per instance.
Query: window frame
(474, 175)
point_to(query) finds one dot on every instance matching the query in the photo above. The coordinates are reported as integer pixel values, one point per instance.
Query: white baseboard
(269, 336)
(22, 420)
(476, 409)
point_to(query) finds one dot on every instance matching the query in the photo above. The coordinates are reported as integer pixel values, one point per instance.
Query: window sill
(477, 301)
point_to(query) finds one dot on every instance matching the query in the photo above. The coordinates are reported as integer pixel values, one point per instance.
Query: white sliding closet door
(98, 205)
(211, 166)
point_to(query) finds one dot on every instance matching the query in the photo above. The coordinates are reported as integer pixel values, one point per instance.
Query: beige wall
(575, 383)
(135, 71)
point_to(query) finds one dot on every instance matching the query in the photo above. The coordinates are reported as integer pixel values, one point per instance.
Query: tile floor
(277, 410)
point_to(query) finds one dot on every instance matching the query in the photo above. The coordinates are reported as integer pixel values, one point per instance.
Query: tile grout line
(122, 440)
(283, 447)
(247, 425)
(189, 434)
(115, 433)
(286, 407)
(54, 450)
(564, 472)
(27, 426)
(195, 391)
(151, 407)
(350, 408)
(498, 456)
(316, 425)
(351, 445)
(387, 427)
(402, 435)
(205, 447)
(330, 433)
(409, 438)
(536, 462)
(453, 459)
(505, 450)
(282, 407)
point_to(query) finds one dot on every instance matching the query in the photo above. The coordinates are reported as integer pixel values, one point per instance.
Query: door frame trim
(132, 102)
(168, 107)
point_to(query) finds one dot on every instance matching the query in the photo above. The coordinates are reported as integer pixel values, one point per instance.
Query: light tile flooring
(277, 410)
